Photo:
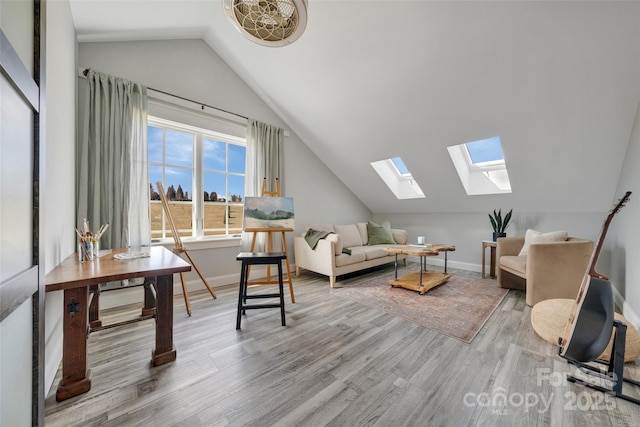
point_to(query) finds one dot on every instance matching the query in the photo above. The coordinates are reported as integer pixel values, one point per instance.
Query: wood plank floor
(336, 363)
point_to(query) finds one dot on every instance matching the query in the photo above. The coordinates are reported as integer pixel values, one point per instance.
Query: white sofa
(328, 258)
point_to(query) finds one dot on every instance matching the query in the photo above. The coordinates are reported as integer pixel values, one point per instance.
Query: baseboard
(627, 311)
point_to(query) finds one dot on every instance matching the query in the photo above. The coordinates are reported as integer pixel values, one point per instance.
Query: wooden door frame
(30, 283)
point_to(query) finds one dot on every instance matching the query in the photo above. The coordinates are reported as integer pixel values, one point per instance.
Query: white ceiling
(559, 82)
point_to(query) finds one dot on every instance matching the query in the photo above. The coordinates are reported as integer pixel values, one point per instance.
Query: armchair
(548, 270)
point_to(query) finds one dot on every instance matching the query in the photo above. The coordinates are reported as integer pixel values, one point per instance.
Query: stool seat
(259, 258)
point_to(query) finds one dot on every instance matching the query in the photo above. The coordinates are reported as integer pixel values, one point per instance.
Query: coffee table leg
(445, 261)
(395, 271)
(422, 261)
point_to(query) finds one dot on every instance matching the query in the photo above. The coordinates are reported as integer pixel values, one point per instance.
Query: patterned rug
(457, 308)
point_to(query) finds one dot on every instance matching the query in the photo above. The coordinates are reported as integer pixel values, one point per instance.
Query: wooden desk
(492, 268)
(76, 279)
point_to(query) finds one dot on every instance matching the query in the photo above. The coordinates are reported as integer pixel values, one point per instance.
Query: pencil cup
(85, 251)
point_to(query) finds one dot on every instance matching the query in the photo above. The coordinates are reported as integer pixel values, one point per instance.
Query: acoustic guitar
(590, 324)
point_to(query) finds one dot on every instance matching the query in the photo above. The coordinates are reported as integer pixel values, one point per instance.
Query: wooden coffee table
(421, 280)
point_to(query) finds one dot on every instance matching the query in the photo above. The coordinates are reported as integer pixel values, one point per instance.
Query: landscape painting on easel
(268, 212)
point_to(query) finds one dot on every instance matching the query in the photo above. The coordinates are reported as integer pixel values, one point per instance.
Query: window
(481, 166)
(202, 172)
(398, 178)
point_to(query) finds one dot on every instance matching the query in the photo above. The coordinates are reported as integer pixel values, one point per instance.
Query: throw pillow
(380, 234)
(533, 236)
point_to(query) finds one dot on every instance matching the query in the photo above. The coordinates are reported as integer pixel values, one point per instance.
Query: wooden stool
(259, 258)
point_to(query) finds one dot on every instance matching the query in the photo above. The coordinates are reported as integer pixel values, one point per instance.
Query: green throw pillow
(380, 234)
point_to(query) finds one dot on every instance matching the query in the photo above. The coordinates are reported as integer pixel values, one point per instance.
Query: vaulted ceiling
(559, 82)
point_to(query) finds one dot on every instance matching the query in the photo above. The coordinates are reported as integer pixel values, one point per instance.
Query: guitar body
(593, 325)
(590, 324)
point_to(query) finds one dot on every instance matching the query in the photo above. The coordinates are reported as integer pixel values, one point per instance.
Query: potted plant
(499, 224)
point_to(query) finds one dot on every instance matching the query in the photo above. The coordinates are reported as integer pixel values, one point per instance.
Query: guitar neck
(596, 251)
(603, 233)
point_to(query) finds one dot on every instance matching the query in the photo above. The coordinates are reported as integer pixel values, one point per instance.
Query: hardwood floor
(336, 363)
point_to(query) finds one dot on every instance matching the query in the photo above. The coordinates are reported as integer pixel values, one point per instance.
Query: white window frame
(200, 134)
(403, 186)
(479, 178)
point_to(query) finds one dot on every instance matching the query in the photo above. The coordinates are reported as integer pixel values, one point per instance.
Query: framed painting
(268, 213)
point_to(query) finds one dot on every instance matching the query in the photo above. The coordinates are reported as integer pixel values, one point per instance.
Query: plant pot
(496, 235)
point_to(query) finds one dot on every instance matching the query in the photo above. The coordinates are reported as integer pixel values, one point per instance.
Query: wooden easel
(270, 232)
(180, 249)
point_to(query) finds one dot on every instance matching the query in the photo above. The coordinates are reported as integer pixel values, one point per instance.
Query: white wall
(191, 69)
(622, 246)
(59, 203)
(467, 230)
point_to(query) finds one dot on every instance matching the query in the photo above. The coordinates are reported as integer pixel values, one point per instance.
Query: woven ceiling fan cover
(268, 20)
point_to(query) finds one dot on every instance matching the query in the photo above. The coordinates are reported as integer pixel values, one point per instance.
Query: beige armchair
(548, 270)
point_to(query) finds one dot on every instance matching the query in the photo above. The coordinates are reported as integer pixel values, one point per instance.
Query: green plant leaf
(493, 223)
(507, 218)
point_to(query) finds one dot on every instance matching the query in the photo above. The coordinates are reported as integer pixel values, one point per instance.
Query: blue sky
(179, 161)
(485, 150)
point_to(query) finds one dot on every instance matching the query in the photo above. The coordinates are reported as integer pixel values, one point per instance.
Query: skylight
(398, 178)
(481, 166)
(485, 151)
(400, 166)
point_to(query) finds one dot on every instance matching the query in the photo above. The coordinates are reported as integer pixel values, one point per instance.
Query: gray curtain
(112, 179)
(264, 160)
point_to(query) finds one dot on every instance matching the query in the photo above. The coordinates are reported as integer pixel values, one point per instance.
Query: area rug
(457, 308)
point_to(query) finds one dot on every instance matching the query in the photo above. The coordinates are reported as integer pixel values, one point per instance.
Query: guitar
(590, 324)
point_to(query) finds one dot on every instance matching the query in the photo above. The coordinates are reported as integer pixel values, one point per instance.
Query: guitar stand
(615, 367)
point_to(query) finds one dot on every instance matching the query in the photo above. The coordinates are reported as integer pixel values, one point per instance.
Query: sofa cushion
(533, 236)
(514, 264)
(379, 234)
(350, 235)
(362, 228)
(371, 252)
(354, 258)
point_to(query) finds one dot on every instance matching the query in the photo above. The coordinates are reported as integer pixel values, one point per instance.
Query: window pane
(178, 183)
(236, 188)
(215, 185)
(215, 210)
(215, 155)
(486, 150)
(237, 156)
(155, 175)
(179, 148)
(236, 214)
(154, 138)
(402, 168)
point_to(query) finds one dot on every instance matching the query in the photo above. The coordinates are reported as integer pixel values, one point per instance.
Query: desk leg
(164, 351)
(94, 307)
(76, 378)
(149, 308)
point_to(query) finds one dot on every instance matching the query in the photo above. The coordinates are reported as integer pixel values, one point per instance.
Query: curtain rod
(202, 104)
